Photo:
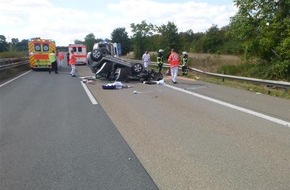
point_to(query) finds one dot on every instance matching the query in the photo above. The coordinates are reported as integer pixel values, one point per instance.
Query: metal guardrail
(269, 83)
(9, 63)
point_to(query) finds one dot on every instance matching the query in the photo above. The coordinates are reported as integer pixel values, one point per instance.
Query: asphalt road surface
(192, 135)
(197, 135)
(52, 137)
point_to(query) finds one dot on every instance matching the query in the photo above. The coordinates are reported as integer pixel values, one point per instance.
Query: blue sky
(65, 21)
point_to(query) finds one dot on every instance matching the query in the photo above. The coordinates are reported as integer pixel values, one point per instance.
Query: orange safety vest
(72, 59)
(173, 60)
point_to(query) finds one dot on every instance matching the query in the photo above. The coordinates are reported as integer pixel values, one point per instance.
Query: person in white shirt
(146, 60)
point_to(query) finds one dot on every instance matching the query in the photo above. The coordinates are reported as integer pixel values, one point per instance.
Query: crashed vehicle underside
(104, 65)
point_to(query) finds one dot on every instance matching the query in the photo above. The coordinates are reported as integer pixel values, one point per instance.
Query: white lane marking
(91, 97)
(14, 79)
(273, 119)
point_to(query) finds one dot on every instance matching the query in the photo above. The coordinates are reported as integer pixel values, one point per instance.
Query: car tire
(96, 55)
(105, 52)
(137, 68)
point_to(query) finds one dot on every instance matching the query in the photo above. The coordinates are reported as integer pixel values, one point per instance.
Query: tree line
(146, 36)
(260, 30)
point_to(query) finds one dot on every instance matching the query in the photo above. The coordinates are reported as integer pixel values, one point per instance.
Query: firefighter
(184, 63)
(160, 60)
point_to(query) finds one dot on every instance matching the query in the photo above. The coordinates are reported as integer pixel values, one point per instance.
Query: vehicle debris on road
(89, 79)
(115, 85)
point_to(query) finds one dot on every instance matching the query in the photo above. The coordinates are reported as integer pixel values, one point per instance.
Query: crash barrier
(269, 83)
(9, 63)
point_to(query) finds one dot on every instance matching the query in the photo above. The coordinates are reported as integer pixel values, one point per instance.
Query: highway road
(192, 135)
(52, 137)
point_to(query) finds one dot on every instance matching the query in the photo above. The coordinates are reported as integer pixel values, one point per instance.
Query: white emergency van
(80, 52)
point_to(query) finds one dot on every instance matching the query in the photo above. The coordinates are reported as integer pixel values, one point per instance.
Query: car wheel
(96, 55)
(137, 68)
(105, 52)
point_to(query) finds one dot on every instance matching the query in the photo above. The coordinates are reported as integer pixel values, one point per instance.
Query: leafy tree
(14, 41)
(169, 37)
(119, 35)
(90, 40)
(78, 42)
(195, 44)
(263, 26)
(23, 45)
(141, 34)
(230, 44)
(186, 39)
(212, 41)
(3, 43)
(155, 43)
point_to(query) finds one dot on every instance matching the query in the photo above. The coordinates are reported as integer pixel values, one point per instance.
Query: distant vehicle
(113, 48)
(80, 52)
(39, 50)
(104, 62)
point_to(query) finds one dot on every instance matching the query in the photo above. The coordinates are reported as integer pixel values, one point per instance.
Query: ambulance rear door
(80, 52)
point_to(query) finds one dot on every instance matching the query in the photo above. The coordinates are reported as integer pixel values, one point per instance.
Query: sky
(66, 21)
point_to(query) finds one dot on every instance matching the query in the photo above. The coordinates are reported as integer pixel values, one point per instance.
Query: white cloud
(189, 15)
(24, 19)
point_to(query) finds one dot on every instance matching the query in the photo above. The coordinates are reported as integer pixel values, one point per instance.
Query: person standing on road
(174, 63)
(60, 57)
(72, 62)
(160, 60)
(52, 60)
(184, 63)
(146, 60)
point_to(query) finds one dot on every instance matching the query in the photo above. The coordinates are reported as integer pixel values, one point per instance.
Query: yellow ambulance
(39, 50)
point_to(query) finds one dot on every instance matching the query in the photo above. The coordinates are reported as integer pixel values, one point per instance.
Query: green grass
(13, 54)
(257, 88)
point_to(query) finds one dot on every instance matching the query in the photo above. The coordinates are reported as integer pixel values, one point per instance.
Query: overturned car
(105, 65)
(104, 62)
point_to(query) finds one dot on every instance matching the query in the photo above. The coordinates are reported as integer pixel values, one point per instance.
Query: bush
(281, 70)
(228, 69)
(263, 70)
(13, 54)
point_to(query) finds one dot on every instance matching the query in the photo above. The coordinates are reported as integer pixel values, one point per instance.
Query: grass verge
(257, 88)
